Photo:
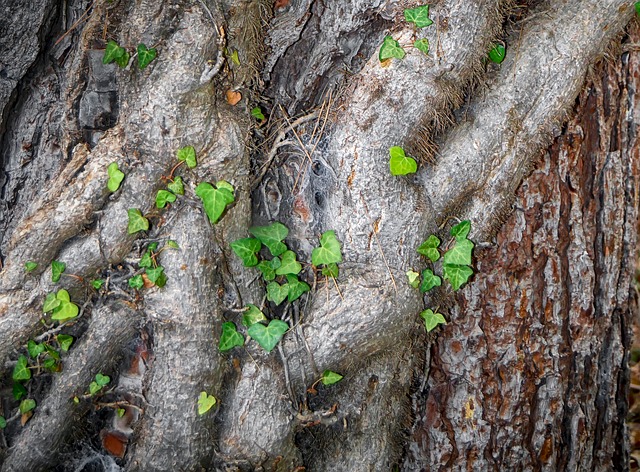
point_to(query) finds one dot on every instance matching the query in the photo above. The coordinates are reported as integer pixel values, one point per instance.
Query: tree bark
(530, 373)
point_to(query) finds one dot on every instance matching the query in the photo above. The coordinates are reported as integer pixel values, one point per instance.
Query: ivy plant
(30, 266)
(272, 236)
(215, 199)
(247, 250)
(390, 49)
(329, 377)
(431, 319)
(115, 53)
(268, 336)
(116, 176)
(57, 268)
(497, 53)
(145, 55)
(257, 113)
(230, 337)
(137, 222)
(401, 164)
(60, 305)
(252, 316)
(419, 16)
(205, 402)
(188, 155)
(99, 383)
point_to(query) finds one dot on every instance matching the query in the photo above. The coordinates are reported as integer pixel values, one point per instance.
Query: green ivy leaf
(65, 341)
(329, 377)
(276, 293)
(257, 113)
(188, 155)
(30, 266)
(414, 278)
(94, 388)
(97, 283)
(50, 302)
(422, 45)
(161, 281)
(268, 268)
(21, 371)
(429, 248)
(431, 319)
(461, 230)
(234, 57)
(145, 56)
(331, 270)
(177, 186)
(271, 236)
(429, 280)
(163, 197)
(289, 265)
(329, 251)
(120, 412)
(497, 54)
(102, 380)
(295, 288)
(205, 402)
(230, 337)
(268, 336)
(460, 254)
(457, 275)
(223, 184)
(390, 48)
(65, 310)
(27, 405)
(399, 164)
(3, 422)
(18, 391)
(214, 200)
(112, 52)
(246, 249)
(136, 282)
(146, 260)
(137, 222)
(34, 349)
(172, 244)
(57, 268)
(155, 274)
(418, 16)
(252, 316)
(123, 60)
(50, 364)
(116, 176)
(52, 352)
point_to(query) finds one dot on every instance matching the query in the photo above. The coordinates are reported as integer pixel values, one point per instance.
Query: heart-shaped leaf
(214, 200)
(50, 302)
(390, 48)
(257, 113)
(268, 336)
(3, 422)
(460, 254)
(163, 197)
(295, 288)
(331, 270)
(173, 244)
(57, 268)
(268, 268)
(30, 266)
(497, 54)
(418, 16)
(289, 265)
(97, 283)
(329, 377)
(145, 56)
(414, 278)
(116, 176)
(112, 52)
(400, 164)
(188, 155)
(329, 251)
(136, 282)
(230, 337)
(102, 380)
(155, 274)
(457, 275)
(65, 310)
(429, 280)
(27, 405)
(94, 388)
(429, 248)
(205, 402)
(18, 391)
(65, 341)
(252, 316)
(246, 249)
(422, 45)
(271, 236)
(276, 293)
(461, 230)
(123, 61)
(21, 370)
(431, 319)
(177, 186)
(34, 349)
(137, 222)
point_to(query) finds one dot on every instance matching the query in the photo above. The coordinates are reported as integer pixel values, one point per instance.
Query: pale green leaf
(422, 45)
(329, 251)
(329, 377)
(331, 270)
(57, 268)
(414, 278)
(163, 197)
(116, 176)
(252, 316)
(27, 405)
(257, 113)
(177, 186)
(460, 254)
(288, 265)
(431, 319)
(276, 293)
(50, 302)
(188, 155)
(399, 163)
(390, 49)
(457, 275)
(214, 200)
(137, 222)
(30, 266)
(205, 402)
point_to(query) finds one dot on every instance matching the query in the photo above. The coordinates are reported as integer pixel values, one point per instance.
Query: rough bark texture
(556, 281)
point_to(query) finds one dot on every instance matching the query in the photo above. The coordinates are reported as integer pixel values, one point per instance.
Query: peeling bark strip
(531, 373)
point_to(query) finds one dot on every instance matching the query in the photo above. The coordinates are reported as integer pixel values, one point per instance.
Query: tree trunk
(530, 373)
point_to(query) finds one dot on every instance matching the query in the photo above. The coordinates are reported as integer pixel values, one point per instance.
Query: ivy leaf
(102, 380)
(234, 58)
(120, 412)
(257, 114)
(295, 288)
(329, 251)
(177, 186)
(163, 197)
(214, 200)
(268, 268)
(418, 16)
(268, 336)
(429, 248)
(188, 155)
(497, 54)
(330, 377)
(34, 349)
(422, 45)
(276, 293)
(123, 60)
(460, 254)
(57, 268)
(172, 244)
(52, 352)
(414, 278)
(3, 422)
(331, 270)
(65, 341)
(137, 222)
(112, 52)
(155, 274)
(50, 302)
(116, 176)
(457, 275)
(390, 48)
(27, 405)
(136, 282)
(289, 265)
(21, 371)
(431, 319)
(94, 388)
(18, 391)
(246, 249)
(230, 337)
(145, 56)
(271, 236)
(399, 164)
(429, 280)
(30, 266)
(65, 310)
(461, 230)
(97, 283)
(252, 316)
(205, 402)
